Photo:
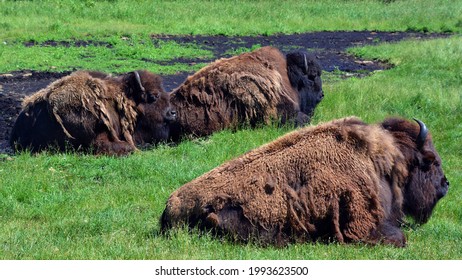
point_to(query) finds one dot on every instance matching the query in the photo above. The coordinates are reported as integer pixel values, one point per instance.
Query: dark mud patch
(329, 47)
(68, 44)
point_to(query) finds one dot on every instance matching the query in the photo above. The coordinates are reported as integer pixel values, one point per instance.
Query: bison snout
(171, 115)
(442, 191)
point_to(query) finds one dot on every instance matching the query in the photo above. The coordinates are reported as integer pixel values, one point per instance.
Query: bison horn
(306, 63)
(138, 79)
(422, 134)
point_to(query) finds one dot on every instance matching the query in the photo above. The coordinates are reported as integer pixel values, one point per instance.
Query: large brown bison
(93, 111)
(343, 180)
(248, 89)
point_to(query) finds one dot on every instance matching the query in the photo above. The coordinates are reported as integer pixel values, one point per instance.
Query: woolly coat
(81, 101)
(248, 89)
(338, 180)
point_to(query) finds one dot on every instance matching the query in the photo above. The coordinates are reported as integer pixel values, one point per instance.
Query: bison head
(142, 86)
(426, 183)
(304, 73)
(153, 104)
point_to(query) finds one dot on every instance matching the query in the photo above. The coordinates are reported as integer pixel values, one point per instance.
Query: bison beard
(249, 89)
(92, 111)
(343, 180)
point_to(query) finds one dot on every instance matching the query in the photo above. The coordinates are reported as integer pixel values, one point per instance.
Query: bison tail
(173, 214)
(165, 222)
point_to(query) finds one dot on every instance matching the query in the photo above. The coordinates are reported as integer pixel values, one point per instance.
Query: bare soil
(329, 48)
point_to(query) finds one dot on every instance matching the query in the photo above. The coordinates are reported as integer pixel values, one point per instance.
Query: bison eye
(429, 162)
(151, 98)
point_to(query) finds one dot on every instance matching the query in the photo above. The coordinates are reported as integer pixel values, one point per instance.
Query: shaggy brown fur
(92, 110)
(248, 89)
(342, 180)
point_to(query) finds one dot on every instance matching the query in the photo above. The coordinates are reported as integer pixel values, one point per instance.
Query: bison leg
(388, 233)
(357, 217)
(302, 119)
(230, 220)
(104, 145)
(336, 224)
(360, 221)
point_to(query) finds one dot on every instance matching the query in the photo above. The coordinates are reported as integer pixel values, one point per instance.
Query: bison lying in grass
(343, 180)
(94, 111)
(248, 89)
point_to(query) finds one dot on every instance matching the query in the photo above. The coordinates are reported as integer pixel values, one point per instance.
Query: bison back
(248, 89)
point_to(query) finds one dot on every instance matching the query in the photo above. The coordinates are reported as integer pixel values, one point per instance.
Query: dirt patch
(329, 48)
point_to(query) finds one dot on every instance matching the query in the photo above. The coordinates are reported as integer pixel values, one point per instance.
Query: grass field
(56, 19)
(70, 206)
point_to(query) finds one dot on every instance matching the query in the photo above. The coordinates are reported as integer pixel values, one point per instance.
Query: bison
(93, 111)
(343, 180)
(248, 89)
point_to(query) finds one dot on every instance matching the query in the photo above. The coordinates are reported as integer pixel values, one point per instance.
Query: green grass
(126, 27)
(70, 206)
(57, 19)
(117, 54)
